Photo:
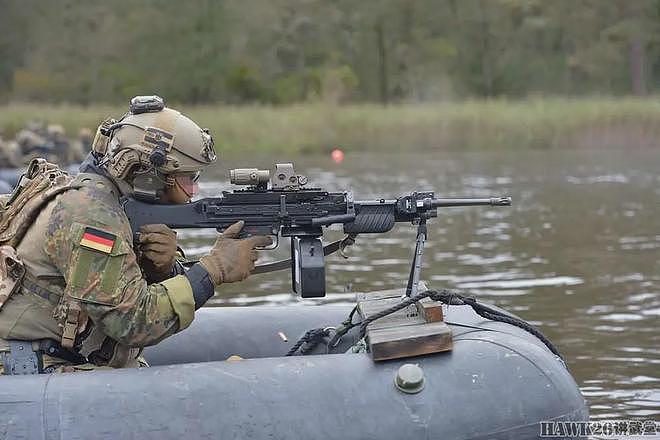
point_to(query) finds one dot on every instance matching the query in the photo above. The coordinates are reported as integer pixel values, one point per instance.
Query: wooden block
(430, 310)
(391, 293)
(406, 316)
(408, 341)
(381, 294)
(413, 331)
(370, 308)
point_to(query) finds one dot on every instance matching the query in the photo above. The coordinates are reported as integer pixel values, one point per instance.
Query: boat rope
(311, 339)
(444, 296)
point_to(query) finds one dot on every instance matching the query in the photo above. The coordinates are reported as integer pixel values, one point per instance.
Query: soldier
(9, 155)
(84, 144)
(29, 140)
(87, 299)
(60, 145)
(33, 142)
(37, 126)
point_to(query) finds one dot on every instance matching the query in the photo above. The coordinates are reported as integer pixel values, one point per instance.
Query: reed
(540, 123)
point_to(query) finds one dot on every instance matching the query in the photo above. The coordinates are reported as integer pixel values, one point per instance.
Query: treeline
(285, 51)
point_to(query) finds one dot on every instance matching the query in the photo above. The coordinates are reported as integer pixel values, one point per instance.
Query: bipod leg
(416, 266)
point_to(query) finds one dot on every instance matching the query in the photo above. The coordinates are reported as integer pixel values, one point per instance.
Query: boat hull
(497, 382)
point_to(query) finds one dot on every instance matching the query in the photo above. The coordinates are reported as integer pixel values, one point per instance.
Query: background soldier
(32, 142)
(82, 146)
(87, 296)
(59, 144)
(9, 154)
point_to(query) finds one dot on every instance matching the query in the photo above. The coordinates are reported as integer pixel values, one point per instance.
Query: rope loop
(310, 340)
(315, 336)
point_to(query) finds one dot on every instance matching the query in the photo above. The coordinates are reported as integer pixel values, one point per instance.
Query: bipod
(416, 266)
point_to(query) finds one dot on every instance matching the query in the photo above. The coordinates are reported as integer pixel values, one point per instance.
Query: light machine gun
(287, 208)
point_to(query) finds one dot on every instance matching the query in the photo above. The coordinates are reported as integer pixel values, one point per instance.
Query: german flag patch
(98, 240)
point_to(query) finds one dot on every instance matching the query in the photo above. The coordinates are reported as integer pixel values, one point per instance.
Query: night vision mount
(146, 104)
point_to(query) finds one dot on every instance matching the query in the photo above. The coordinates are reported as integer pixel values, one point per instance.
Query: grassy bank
(309, 128)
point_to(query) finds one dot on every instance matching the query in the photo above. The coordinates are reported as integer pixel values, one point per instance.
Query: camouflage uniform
(119, 312)
(83, 287)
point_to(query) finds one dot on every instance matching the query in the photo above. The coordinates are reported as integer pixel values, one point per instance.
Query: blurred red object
(337, 155)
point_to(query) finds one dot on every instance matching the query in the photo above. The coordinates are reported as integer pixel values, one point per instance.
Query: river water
(578, 255)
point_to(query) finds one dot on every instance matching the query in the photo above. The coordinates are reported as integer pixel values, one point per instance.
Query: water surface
(577, 255)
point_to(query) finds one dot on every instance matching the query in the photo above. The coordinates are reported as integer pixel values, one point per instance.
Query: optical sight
(249, 176)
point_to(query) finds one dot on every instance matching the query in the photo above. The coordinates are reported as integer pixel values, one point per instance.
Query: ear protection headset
(148, 156)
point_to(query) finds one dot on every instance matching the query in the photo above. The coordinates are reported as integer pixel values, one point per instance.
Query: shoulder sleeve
(89, 241)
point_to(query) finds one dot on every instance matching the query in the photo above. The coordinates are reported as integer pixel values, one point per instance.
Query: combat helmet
(150, 145)
(55, 131)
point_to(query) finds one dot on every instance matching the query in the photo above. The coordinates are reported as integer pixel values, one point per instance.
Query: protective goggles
(188, 182)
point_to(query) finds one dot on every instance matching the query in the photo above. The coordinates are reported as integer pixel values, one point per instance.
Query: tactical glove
(232, 259)
(157, 244)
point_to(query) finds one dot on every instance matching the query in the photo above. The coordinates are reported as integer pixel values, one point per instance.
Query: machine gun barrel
(490, 201)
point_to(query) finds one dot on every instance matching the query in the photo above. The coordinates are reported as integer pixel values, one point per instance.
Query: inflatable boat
(497, 382)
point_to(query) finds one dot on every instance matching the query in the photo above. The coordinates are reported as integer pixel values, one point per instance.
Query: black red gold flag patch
(98, 240)
(158, 138)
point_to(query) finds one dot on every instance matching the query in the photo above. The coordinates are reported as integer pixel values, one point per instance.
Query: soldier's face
(188, 183)
(184, 188)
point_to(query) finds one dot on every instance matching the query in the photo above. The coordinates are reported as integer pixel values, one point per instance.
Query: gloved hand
(232, 259)
(158, 250)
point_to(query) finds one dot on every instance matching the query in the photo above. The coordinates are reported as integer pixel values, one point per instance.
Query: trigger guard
(245, 233)
(276, 242)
